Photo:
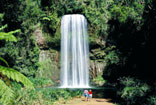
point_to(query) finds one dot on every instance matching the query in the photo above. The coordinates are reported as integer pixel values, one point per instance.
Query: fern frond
(8, 36)
(3, 27)
(2, 59)
(17, 76)
(14, 32)
(6, 94)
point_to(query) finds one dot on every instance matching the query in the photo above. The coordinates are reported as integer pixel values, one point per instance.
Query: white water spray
(74, 52)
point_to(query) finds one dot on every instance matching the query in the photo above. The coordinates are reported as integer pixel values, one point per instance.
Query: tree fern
(2, 59)
(15, 75)
(8, 36)
(6, 94)
(3, 27)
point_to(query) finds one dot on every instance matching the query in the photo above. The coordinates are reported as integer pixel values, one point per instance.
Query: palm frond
(17, 76)
(6, 94)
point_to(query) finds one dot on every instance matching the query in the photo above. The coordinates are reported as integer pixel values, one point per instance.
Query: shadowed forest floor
(93, 101)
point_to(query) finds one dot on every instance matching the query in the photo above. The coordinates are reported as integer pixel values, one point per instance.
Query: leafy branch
(6, 93)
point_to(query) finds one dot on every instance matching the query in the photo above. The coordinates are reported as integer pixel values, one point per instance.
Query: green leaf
(3, 27)
(17, 76)
(6, 94)
(2, 59)
(8, 36)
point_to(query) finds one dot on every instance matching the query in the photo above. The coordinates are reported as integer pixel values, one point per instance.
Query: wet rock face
(48, 58)
(96, 68)
(44, 55)
(49, 54)
(49, 65)
(97, 61)
(39, 38)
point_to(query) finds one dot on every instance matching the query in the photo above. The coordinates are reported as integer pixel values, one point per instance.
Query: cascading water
(74, 52)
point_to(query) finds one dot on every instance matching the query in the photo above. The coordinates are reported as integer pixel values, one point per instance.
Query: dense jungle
(121, 50)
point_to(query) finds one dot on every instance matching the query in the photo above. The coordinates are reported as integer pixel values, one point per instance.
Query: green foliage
(9, 35)
(45, 65)
(47, 96)
(133, 90)
(50, 22)
(4, 61)
(15, 75)
(54, 40)
(112, 57)
(151, 100)
(18, 57)
(99, 81)
(98, 54)
(3, 27)
(6, 93)
(53, 95)
(48, 66)
(22, 55)
(41, 82)
(125, 10)
(97, 15)
(29, 97)
(1, 17)
(117, 104)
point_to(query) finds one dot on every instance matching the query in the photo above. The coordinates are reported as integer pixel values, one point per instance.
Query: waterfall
(74, 52)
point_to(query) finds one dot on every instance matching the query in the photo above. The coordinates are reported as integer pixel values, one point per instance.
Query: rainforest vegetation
(121, 41)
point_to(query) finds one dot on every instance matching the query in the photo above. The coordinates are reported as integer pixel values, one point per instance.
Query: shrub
(99, 80)
(151, 100)
(41, 82)
(43, 96)
(133, 90)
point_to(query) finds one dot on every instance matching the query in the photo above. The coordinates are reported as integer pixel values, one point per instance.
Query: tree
(6, 73)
